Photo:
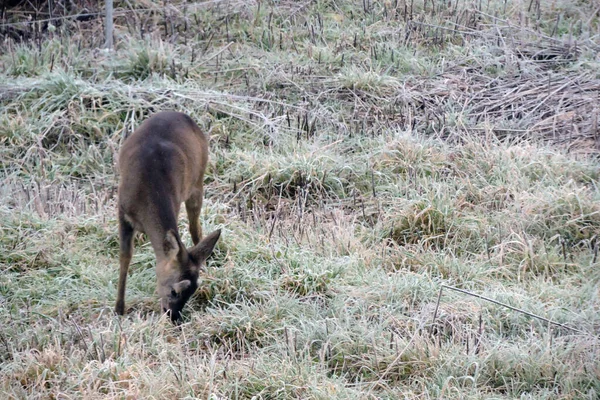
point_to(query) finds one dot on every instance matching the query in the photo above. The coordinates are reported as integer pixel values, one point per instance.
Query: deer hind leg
(126, 233)
(193, 206)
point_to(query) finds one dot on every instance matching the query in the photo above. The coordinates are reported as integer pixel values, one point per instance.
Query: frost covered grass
(363, 154)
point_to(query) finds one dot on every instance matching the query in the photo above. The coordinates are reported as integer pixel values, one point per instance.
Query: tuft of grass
(422, 223)
(370, 81)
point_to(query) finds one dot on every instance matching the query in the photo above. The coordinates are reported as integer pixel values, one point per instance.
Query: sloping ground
(363, 155)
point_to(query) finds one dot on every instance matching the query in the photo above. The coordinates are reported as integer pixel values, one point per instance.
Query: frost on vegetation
(362, 155)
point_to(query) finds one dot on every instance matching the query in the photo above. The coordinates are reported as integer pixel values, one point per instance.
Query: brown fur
(162, 164)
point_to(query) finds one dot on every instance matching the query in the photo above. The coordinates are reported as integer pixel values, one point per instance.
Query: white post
(109, 24)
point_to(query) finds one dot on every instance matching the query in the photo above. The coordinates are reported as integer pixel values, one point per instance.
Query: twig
(216, 54)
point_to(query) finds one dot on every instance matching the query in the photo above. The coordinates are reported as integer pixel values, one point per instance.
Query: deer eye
(174, 293)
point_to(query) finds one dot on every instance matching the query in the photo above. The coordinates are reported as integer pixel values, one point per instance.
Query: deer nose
(163, 305)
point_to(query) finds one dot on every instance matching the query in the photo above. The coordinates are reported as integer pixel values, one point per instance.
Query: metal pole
(109, 24)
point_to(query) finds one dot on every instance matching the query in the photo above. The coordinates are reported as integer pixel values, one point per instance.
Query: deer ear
(181, 286)
(172, 246)
(202, 250)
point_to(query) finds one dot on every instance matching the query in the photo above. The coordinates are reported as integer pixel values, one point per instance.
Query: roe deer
(162, 164)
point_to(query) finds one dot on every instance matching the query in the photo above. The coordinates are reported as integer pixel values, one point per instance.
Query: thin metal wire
(512, 308)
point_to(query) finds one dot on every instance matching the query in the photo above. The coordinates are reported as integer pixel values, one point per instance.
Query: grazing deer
(162, 164)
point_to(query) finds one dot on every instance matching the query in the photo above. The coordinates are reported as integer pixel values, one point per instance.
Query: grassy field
(365, 156)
